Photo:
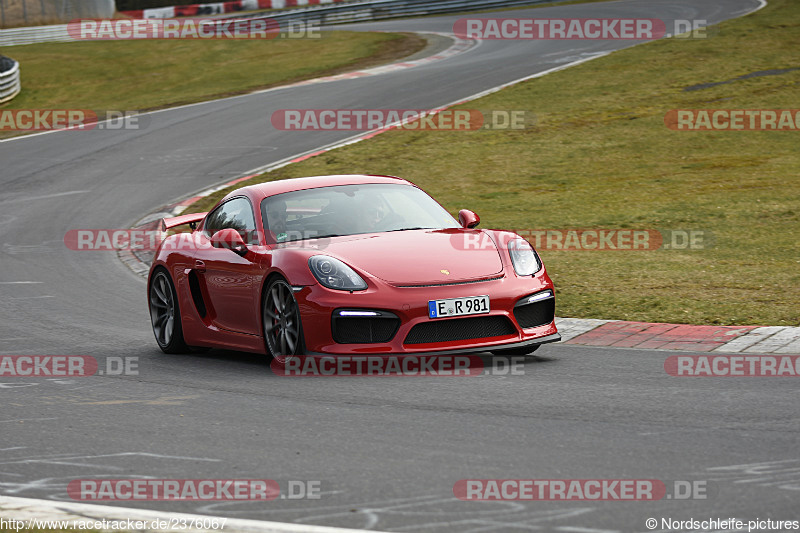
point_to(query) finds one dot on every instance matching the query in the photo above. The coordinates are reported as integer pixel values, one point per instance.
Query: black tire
(165, 314)
(283, 330)
(522, 350)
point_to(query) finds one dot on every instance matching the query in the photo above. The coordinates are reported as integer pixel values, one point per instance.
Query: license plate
(470, 305)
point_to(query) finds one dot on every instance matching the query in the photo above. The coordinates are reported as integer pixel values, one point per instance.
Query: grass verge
(600, 156)
(153, 74)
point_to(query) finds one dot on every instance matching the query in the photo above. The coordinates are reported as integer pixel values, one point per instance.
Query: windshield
(350, 210)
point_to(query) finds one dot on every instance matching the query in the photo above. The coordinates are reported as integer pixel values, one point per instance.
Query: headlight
(334, 274)
(525, 260)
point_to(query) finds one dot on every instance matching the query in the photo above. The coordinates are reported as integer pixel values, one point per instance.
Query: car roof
(262, 190)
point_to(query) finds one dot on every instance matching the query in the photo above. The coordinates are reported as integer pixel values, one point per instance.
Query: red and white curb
(657, 336)
(459, 46)
(27, 510)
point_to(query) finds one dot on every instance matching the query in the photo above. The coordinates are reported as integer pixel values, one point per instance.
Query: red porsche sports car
(346, 265)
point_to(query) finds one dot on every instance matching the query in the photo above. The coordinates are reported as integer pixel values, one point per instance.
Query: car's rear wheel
(522, 350)
(283, 331)
(165, 314)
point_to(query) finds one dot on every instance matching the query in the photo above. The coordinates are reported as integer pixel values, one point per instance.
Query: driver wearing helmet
(276, 222)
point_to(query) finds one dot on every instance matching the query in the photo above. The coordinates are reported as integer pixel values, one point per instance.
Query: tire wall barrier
(10, 85)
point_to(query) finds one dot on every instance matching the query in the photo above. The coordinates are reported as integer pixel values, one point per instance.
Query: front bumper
(498, 329)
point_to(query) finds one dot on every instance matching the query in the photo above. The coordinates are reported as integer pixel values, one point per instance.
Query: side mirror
(231, 239)
(468, 219)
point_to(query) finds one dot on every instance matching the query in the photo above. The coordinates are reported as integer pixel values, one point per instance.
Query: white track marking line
(42, 197)
(28, 509)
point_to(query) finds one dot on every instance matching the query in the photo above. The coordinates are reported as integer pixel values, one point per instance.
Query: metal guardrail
(386, 9)
(35, 34)
(321, 14)
(30, 12)
(10, 85)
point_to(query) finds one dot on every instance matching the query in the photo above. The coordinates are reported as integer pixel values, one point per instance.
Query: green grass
(600, 156)
(143, 75)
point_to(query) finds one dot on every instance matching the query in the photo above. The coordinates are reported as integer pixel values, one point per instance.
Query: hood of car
(417, 257)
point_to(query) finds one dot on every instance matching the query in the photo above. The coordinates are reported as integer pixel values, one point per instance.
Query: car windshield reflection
(350, 210)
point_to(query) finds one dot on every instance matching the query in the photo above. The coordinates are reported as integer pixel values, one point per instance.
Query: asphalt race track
(386, 451)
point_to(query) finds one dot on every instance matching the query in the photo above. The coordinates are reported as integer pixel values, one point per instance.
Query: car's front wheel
(283, 331)
(165, 315)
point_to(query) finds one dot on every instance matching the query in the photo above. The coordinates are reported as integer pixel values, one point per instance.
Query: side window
(236, 214)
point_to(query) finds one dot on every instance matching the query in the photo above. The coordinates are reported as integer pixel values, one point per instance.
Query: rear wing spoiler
(192, 219)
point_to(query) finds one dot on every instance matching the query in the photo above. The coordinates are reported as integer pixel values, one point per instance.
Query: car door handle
(199, 266)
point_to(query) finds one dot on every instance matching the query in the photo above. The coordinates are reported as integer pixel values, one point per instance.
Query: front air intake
(536, 310)
(460, 329)
(363, 326)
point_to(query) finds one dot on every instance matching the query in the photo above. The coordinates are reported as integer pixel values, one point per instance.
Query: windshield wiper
(311, 238)
(404, 229)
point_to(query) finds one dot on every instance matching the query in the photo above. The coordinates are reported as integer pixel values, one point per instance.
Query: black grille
(197, 294)
(536, 313)
(459, 329)
(364, 330)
